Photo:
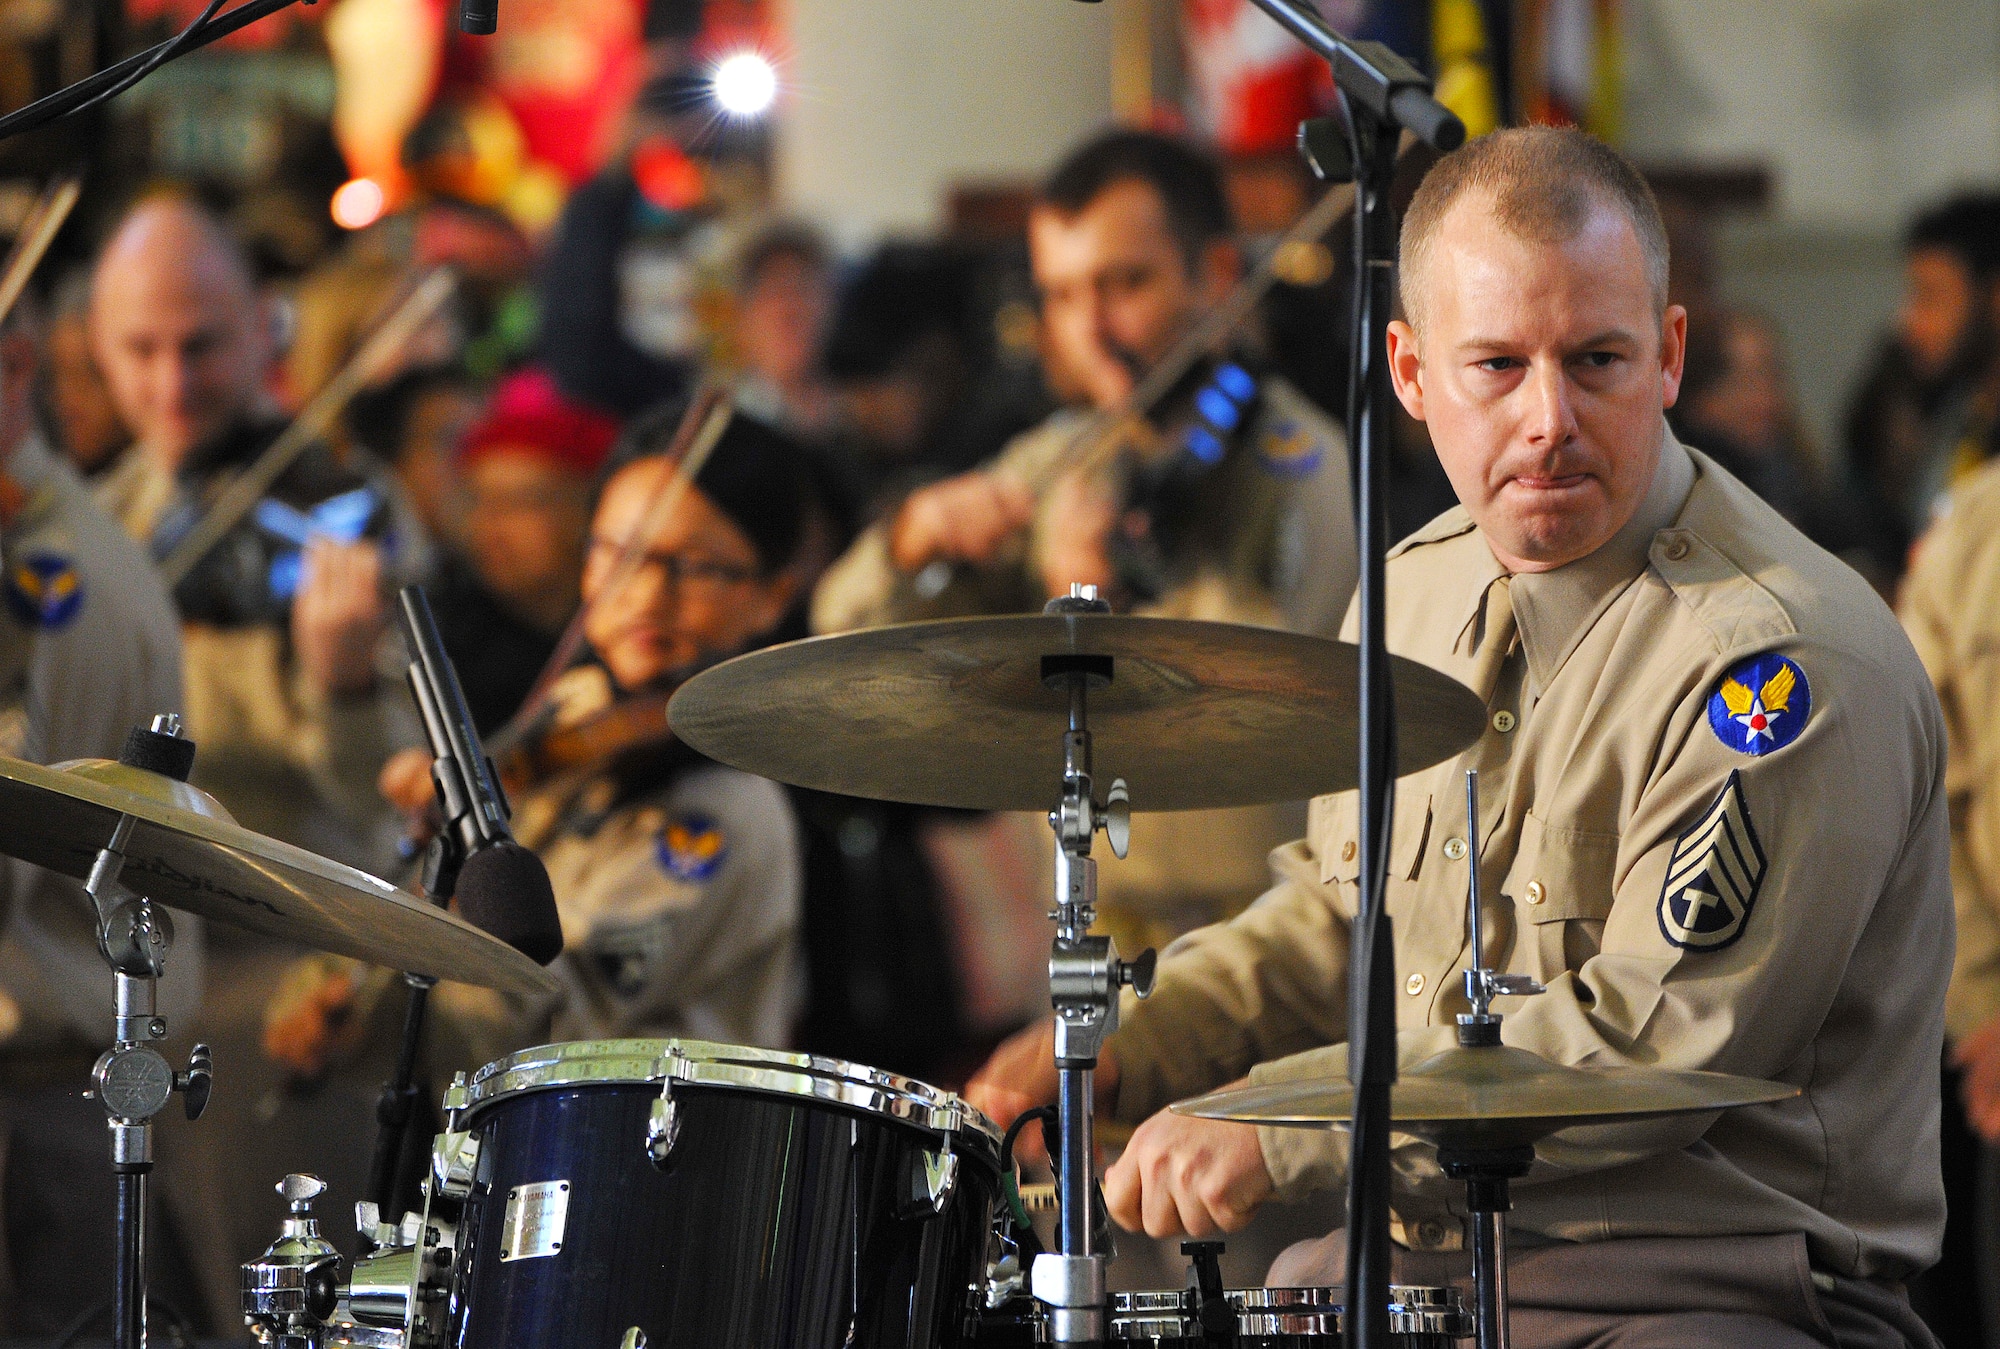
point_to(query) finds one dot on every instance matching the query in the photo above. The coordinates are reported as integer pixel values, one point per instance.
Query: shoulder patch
(44, 590)
(1761, 705)
(1288, 449)
(690, 847)
(1712, 881)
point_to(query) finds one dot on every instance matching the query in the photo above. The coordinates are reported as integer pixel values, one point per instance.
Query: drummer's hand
(338, 615)
(1188, 1177)
(1978, 1058)
(964, 519)
(1021, 1075)
(310, 1020)
(405, 781)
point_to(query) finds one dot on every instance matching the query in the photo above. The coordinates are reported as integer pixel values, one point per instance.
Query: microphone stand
(1383, 95)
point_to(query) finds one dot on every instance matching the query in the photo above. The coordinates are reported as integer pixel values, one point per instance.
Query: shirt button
(1347, 851)
(1536, 894)
(1454, 848)
(1676, 550)
(1415, 984)
(1503, 721)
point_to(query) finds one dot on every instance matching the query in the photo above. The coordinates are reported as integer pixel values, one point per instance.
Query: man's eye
(1600, 360)
(1498, 364)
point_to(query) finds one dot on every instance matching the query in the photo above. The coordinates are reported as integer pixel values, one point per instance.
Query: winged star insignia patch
(1712, 881)
(1761, 705)
(691, 848)
(43, 589)
(1289, 450)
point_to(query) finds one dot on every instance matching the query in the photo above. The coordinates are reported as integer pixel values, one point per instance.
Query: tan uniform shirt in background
(284, 758)
(1614, 816)
(88, 650)
(1951, 607)
(1280, 554)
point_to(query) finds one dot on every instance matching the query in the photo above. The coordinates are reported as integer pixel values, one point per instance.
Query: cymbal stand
(1085, 976)
(1485, 1169)
(132, 1079)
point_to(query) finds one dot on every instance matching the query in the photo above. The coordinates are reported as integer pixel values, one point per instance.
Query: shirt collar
(32, 463)
(1554, 609)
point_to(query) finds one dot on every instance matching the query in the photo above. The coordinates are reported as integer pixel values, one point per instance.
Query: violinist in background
(678, 879)
(1239, 512)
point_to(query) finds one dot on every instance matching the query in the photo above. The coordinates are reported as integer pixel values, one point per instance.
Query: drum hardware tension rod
(1085, 976)
(1485, 1170)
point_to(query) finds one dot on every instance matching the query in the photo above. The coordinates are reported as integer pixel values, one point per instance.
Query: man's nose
(1551, 419)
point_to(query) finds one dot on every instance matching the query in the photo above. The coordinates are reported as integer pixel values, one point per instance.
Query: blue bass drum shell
(794, 1209)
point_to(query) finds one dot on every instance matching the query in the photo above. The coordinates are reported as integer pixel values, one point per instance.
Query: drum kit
(672, 1192)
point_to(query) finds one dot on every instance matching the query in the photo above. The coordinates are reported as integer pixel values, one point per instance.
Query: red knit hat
(530, 415)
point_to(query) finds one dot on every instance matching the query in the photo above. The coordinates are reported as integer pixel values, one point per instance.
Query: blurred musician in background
(1249, 522)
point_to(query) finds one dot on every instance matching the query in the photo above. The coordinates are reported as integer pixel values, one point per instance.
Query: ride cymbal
(186, 852)
(957, 713)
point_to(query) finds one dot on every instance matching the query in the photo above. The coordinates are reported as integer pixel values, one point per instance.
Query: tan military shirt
(287, 760)
(1714, 825)
(1285, 558)
(88, 650)
(1951, 607)
(681, 907)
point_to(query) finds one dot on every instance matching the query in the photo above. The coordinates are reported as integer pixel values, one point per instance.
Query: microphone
(478, 17)
(502, 888)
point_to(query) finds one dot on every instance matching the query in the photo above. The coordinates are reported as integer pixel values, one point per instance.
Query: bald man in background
(286, 700)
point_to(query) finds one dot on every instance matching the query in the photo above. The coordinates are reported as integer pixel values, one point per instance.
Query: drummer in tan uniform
(1714, 826)
(1130, 244)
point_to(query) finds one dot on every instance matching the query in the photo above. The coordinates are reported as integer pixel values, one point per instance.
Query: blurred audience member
(1928, 410)
(76, 405)
(784, 301)
(527, 470)
(414, 424)
(88, 650)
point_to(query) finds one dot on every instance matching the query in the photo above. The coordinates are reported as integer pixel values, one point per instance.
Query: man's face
(1542, 373)
(1116, 290)
(183, 347)
(89, 425)
(1940, 303)
(698, 595)
(525, 527)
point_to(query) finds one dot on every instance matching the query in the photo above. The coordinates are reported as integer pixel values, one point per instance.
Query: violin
(548, 752)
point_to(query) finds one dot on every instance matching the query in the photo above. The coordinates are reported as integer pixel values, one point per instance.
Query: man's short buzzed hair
(1187, 182)
(1544, 183)
(228, 244)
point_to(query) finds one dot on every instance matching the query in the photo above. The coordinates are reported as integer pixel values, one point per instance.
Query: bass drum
(659, 1193)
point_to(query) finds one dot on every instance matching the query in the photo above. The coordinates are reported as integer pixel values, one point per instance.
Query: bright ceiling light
(746, 84)
(358, 204)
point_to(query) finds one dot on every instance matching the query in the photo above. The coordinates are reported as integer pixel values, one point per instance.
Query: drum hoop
(583, 1063)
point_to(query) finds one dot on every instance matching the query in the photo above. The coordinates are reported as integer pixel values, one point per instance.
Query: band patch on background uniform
(43, 589)
(1288, 449)
(691, 847)
(1712, 881)
(1761, 705)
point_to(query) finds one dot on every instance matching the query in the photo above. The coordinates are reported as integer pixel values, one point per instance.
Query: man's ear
(1673, 353)
(1406, 368)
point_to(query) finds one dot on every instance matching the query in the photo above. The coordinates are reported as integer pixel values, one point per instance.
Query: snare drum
(679, 1193)
(1266, 1318)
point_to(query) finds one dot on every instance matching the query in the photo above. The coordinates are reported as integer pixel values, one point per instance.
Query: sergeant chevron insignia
(1713, 878)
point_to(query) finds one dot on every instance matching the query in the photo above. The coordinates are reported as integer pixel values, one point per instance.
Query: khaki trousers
(1655, 1293)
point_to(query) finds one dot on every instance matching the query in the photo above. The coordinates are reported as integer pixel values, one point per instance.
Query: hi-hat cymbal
(185, 851)
(1494, 1096)
(956, 713)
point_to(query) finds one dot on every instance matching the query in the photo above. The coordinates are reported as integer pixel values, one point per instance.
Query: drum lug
(935, 1178)
(663, 1130)
(455, 1164)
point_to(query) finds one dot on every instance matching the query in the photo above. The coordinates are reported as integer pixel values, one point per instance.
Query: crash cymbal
(955, 713)
(1493, 1097)
(186, 852)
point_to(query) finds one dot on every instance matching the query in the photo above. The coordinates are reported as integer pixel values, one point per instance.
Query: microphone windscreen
(503, 890)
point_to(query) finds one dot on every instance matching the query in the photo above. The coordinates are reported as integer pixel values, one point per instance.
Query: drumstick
(248, 487)
(38, 231)
(695, 438)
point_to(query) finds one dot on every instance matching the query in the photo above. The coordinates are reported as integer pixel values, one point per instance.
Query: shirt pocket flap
(1333, 829)
(1561, 873)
